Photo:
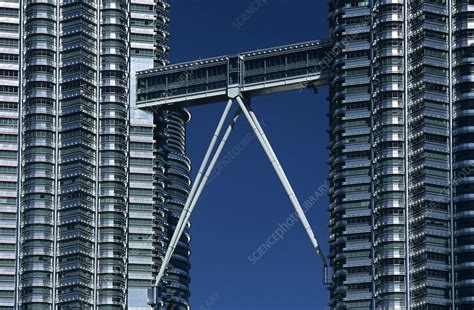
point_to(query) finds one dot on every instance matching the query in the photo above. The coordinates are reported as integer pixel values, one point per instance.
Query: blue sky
(245, 203)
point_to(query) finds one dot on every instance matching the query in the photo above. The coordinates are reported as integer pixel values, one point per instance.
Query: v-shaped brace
(204, 173)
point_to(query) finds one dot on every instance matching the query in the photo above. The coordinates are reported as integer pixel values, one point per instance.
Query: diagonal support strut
(262, 138)
(204, 173)
(195, 193)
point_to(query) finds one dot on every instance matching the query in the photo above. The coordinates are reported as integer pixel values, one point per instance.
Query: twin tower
(92, 187)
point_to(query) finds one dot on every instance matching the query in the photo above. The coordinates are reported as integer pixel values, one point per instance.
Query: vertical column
(350, 156)
(429, 155)
(450, 7)
(372, 140)
(97, 124)
(389, 155)
(141, 214)
(39, 144)
(463, 151)
(10, 150)
(113, 154)
(77, 192)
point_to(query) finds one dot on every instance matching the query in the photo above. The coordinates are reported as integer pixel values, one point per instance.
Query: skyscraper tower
(401, 159)
(88, 191)
(161, 188)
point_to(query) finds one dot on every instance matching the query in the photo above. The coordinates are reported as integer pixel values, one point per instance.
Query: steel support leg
(202, 177)
(257, 128)
(198, 186)
(202, 184)
(210, 148)
(213, 163)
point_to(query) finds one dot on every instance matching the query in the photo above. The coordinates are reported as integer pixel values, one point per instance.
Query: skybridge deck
(254, 73)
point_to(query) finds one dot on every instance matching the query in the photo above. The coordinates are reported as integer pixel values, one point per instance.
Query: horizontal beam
(255, 73)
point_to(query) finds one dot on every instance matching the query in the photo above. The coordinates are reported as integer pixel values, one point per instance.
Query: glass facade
(10, 88)
(350, 154)
(90, 185)
(401, 226)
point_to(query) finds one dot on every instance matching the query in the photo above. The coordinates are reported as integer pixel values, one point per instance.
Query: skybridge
(253, 73)
(235, 79)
